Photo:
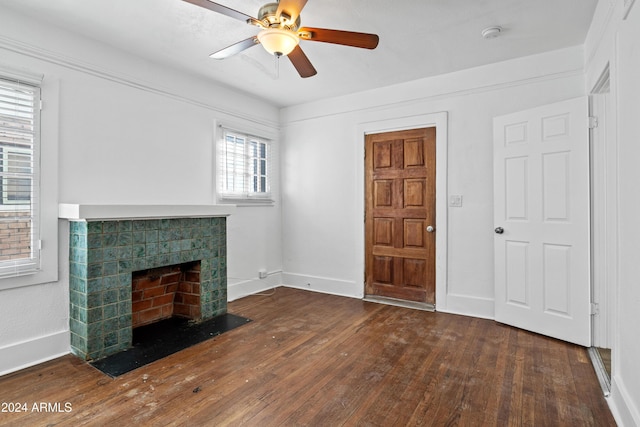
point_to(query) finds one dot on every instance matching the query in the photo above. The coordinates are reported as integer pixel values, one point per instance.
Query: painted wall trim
(36, 52)
(468, 306)
(243, 288)
(24, 354)
(325, 285)
(528, 70)
(622, 406)
(439, 96)
(439, 120)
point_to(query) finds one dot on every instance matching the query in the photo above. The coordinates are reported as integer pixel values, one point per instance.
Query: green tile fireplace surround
(104, 253)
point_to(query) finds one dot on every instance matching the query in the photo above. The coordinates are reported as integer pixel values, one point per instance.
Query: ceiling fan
(281, 32)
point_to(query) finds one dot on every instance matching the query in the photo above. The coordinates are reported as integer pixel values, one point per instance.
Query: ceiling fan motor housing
(269, 18)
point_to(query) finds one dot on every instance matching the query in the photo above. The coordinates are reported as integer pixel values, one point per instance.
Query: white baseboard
(252, 286)
(323, 285)
(29, 353)
(622, 406)
(467, 306)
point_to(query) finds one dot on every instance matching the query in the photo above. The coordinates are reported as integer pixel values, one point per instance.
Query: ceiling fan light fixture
(278, 41)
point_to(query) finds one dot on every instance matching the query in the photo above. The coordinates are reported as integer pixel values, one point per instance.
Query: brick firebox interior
(164, 292)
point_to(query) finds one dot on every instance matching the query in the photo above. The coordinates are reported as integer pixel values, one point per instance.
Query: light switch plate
(455, 201)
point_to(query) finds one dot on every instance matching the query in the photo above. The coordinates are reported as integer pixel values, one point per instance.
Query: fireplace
(106, 257)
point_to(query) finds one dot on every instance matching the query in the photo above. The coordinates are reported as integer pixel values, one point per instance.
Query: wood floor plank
(321, 360)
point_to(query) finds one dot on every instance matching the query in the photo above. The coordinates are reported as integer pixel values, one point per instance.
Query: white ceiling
(418, 38)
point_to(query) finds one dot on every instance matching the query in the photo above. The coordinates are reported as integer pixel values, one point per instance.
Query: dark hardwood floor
(321, 360)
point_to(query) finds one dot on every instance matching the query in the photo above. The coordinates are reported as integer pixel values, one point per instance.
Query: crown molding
(353, 106)
(75, 64)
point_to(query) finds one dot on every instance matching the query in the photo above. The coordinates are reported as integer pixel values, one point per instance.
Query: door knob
(430, 229)
(499, 230)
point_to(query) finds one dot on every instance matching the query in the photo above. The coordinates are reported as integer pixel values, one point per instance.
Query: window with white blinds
(19, 179)
(245, 167)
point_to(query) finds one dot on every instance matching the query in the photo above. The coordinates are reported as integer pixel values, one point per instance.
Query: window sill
(27, 279)
(246, 202)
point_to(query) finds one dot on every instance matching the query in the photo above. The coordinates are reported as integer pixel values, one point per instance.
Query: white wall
(323, 212)
(130, 132)
(615, 42)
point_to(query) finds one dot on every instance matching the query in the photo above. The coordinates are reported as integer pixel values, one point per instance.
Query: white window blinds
(245, 166)
(19, 178)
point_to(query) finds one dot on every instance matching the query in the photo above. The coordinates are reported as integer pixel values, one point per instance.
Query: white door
(541, 214)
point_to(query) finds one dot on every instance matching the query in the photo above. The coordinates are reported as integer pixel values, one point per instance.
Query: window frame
(45, 178)
(248, 172)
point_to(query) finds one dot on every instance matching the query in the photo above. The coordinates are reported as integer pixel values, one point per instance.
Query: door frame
(604, 228)
(439, 121)
(604, 204)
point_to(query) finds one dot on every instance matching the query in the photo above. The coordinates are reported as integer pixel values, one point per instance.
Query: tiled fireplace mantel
(107, 243)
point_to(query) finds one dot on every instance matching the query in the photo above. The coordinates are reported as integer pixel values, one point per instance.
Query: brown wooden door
(400, 204)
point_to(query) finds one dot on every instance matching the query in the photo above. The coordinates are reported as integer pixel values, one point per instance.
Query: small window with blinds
(245, 167)
(19, 139)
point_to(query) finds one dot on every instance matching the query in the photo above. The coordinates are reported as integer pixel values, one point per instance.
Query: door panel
(541, 196)
(400, 204)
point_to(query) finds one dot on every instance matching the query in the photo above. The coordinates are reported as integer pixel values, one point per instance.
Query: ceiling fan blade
(291, 8)
(235, 48)
(221, 9)
(346, 38)
(302, 63)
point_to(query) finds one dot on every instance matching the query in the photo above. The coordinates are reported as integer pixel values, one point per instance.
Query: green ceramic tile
(109, 240)
(78, 241)
(94, 285)
(125, 335)
(124, 308)
(78, 341)
(125, 253)
(110, 325)
(78, 270)
(94, 329)
(124, 226)
(110, 226)
(94, 299)
(94, 241)
(77, 284)
(151, 249)
(125, 239)
(110, 296)
(94, 271)
(110, 282)
(125, 288)
(152, 224)
(95, 255)
(138, 237)
(94, 315)
(139, 225)
(110, 268)
(124, 321)
(124, 266)
(94, 227)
